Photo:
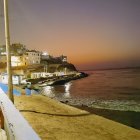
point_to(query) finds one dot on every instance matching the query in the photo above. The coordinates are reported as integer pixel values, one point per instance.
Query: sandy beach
(53, 120)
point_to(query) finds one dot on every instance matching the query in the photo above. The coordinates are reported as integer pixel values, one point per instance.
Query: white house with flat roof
(35, 75)
(33, 57)
(15, 78)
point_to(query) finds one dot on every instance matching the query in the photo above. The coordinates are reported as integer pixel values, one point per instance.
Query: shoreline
(128, 118)
(53, 120)
(108, 104)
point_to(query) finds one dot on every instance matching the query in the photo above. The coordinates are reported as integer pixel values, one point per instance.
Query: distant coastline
(114, 68)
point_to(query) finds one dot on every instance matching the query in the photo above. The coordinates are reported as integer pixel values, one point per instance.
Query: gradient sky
(92, 33)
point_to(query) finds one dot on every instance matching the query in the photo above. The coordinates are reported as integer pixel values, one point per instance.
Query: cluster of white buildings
(20, 56)
(29, 58)
(25, 59)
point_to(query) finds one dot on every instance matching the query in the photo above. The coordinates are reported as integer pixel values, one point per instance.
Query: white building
(33, 57)
(45, 56)
(15, 78)
(35, 75)
(18, 60)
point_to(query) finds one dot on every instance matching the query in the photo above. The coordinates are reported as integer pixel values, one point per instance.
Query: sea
(106, 92)
(109, 89)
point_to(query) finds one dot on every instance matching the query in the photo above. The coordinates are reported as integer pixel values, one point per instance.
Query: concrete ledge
(16, 127)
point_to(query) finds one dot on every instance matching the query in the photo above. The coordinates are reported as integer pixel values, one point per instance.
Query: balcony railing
(16, 127)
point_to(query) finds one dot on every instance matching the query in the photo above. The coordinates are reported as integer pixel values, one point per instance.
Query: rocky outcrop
(68, 66)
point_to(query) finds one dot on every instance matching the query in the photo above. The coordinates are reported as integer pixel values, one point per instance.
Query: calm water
(108, 89)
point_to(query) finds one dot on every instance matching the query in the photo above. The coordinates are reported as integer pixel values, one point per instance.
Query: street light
(7, 39)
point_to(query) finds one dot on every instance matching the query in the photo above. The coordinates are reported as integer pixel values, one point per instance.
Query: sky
(91, 33)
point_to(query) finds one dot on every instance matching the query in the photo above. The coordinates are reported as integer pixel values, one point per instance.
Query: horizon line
(114, 68)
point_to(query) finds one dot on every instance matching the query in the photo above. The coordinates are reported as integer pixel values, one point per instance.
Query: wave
(118, 105)
(123, 105)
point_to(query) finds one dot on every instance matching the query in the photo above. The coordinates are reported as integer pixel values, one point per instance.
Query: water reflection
(67, 90)
(48, 91)
(57, 91)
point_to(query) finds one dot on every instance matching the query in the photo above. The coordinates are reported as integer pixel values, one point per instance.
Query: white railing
(16, 127)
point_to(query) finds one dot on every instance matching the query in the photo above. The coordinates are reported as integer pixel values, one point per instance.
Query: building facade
(18, 61)
(29, 58)
(15, 60)
(15, 78)
(33, 57)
